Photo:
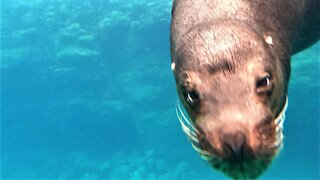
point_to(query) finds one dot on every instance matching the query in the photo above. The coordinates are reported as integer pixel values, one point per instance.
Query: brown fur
(220, 52)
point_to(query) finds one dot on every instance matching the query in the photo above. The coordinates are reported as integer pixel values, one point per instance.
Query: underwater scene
(87, 93)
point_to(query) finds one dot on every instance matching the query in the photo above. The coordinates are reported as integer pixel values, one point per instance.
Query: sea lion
(231, 63)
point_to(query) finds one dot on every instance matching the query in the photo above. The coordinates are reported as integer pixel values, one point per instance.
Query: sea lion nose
(234, 145)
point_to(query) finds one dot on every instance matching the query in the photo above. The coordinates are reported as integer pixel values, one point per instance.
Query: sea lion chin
(232, 66)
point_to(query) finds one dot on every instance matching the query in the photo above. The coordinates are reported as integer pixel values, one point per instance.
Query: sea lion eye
(264, 84)
(191, 97)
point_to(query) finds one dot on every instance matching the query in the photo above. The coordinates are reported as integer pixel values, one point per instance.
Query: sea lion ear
(268, 40)
(173, 66)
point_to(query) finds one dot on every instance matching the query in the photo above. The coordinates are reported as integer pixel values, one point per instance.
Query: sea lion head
(233, 87)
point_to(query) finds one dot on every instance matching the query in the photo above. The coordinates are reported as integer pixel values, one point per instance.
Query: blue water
(87, 93)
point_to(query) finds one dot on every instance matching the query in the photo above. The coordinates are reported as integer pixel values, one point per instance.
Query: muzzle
(193, 134)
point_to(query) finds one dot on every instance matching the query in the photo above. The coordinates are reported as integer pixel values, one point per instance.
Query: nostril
(235, 143)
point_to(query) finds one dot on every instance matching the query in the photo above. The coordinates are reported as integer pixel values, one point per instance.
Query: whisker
(282, 115)
(206, 158)
(279, 125)
(278, 129)
(200, 151)
(190, 124)
(186, 125)
(191, 135)
(279, 140)
(191, 132)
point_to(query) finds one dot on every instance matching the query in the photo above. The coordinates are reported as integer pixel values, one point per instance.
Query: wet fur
(219, 49)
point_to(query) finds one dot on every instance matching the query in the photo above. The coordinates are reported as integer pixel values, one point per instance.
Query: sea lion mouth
(200, 143)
